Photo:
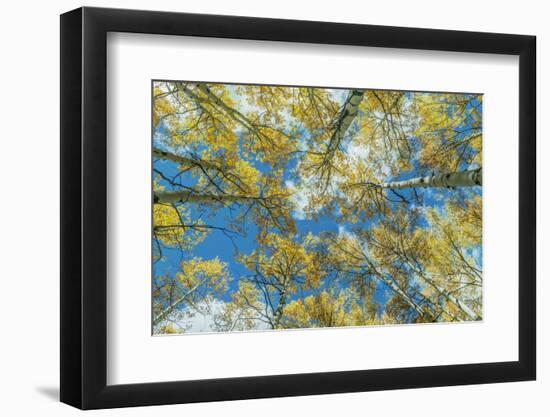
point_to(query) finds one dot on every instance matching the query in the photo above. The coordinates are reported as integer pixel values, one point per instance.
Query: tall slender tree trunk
(397, 289)
(463, 307)
(341, 125)
(467, 311)
(392, 284)
(469, 178)
(205, 167)
(278, 314)
(184, 196)
(346, 117)
(233, 113)
(184, 160)
(168, 310)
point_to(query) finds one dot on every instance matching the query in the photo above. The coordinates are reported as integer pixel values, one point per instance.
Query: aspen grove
(281, 207)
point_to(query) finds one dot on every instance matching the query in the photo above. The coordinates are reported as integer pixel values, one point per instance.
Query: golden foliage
(326, 310)
(449, 130)
(174, 227)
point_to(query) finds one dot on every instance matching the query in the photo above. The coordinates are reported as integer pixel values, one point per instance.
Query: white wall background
(29, 220)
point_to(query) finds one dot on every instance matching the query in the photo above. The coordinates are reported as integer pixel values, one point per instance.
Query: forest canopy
(281, 207)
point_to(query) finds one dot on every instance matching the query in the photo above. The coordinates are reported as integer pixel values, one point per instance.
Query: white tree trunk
(397, 289)
(346, 117)
(214, 99)
(168, 310)
(184, 160)
(472, 315)
(391, 283)
(278, 314)
(468, 178)
(341, 125)
(170, 197)
(185, 196)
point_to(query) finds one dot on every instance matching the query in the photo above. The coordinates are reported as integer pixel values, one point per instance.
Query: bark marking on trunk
(469, 178)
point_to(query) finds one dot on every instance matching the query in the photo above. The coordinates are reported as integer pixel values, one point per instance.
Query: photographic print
(296, 207)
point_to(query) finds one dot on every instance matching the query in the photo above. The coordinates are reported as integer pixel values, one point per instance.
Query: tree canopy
(296, 207)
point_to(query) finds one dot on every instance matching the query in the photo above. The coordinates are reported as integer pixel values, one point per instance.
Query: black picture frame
(84, 207)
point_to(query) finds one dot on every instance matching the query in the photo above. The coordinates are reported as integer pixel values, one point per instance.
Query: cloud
(344, 232)
(300, 199)
(357, 151)
(338, 95)
(204, 323)
(360, 152)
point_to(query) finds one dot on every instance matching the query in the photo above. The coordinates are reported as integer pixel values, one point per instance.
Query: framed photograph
(258, 208)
